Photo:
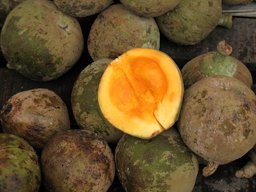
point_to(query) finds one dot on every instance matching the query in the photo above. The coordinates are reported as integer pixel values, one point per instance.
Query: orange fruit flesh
(140, 92)
(134, 89)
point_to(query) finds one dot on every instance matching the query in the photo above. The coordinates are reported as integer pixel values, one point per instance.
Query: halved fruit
(141, 92)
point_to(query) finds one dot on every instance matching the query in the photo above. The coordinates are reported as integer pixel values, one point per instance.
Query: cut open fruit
(141, 92)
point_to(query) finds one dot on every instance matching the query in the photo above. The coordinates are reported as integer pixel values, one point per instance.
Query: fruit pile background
(241, 37)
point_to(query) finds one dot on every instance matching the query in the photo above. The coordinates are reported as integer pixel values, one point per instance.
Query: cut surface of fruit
(141, 92)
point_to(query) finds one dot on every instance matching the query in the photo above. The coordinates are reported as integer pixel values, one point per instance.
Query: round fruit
(141, 92)
(191, 21)
(35, 115)
(217, 120)
(117, 30)
(82, 8)
(39, 41)
(77, 160)
(150, 8)
(163, 163)
(215, 63)
(19, 166)
(85, 104)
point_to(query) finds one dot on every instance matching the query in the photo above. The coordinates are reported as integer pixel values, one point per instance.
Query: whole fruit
(39, 41)
(82, 8)
(35, 115)
(217, 120)
(150, 8)
(85, 104)
(19, 166)
(215, 63)
(117, 30)
(77, 160)
(191, 21)
(160, 164)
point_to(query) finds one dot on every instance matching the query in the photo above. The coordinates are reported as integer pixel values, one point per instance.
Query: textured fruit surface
(141, 92)
(213, 63)
(160, 164)
(35, 115)
(117, 30)
(85, 104)
(191, 21)
(150, 8)
(39, 41)
(19, 166)
(82, 8)
(77, 160)
(218, 119)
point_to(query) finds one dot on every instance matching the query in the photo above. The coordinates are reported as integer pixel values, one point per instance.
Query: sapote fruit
(117, 30)
(215, 63)
(141, 92)
(35, 115)
(236, 2)
(19, 165)
(39, 41)
(85, 105)
(150, 8)
(160, 164)
(217, 120)
(82, 8)
(191, 21)
(77, 160)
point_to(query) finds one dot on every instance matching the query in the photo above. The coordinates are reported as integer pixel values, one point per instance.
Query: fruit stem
(224, 48)
(226, 20)
(210, 169)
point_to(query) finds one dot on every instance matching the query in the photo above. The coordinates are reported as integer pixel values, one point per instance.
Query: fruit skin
(85, 104)
(19, 166)
(150, 8)
(186, 24)
(77, 160)
(160, 164)
(39, 41)
(35, 115)
(82, 8)
(217, 120)
(215, 63)
(236, 2)
(5, 7)
(117, 30)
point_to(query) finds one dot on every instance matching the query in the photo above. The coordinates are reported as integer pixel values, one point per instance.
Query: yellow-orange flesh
(140, 92)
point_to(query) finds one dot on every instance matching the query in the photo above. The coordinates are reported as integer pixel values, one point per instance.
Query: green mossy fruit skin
(77, 160)
(150, 8)
(160, 164)
(81, 8)
(191, 21)
(116, 30)
(214, 63)
(218, 118)
(236, 2)
(19, 165)
(39, 41)
(35, 115)
(85, 106)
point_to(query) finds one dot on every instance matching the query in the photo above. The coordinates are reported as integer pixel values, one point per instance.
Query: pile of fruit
(139, 116)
